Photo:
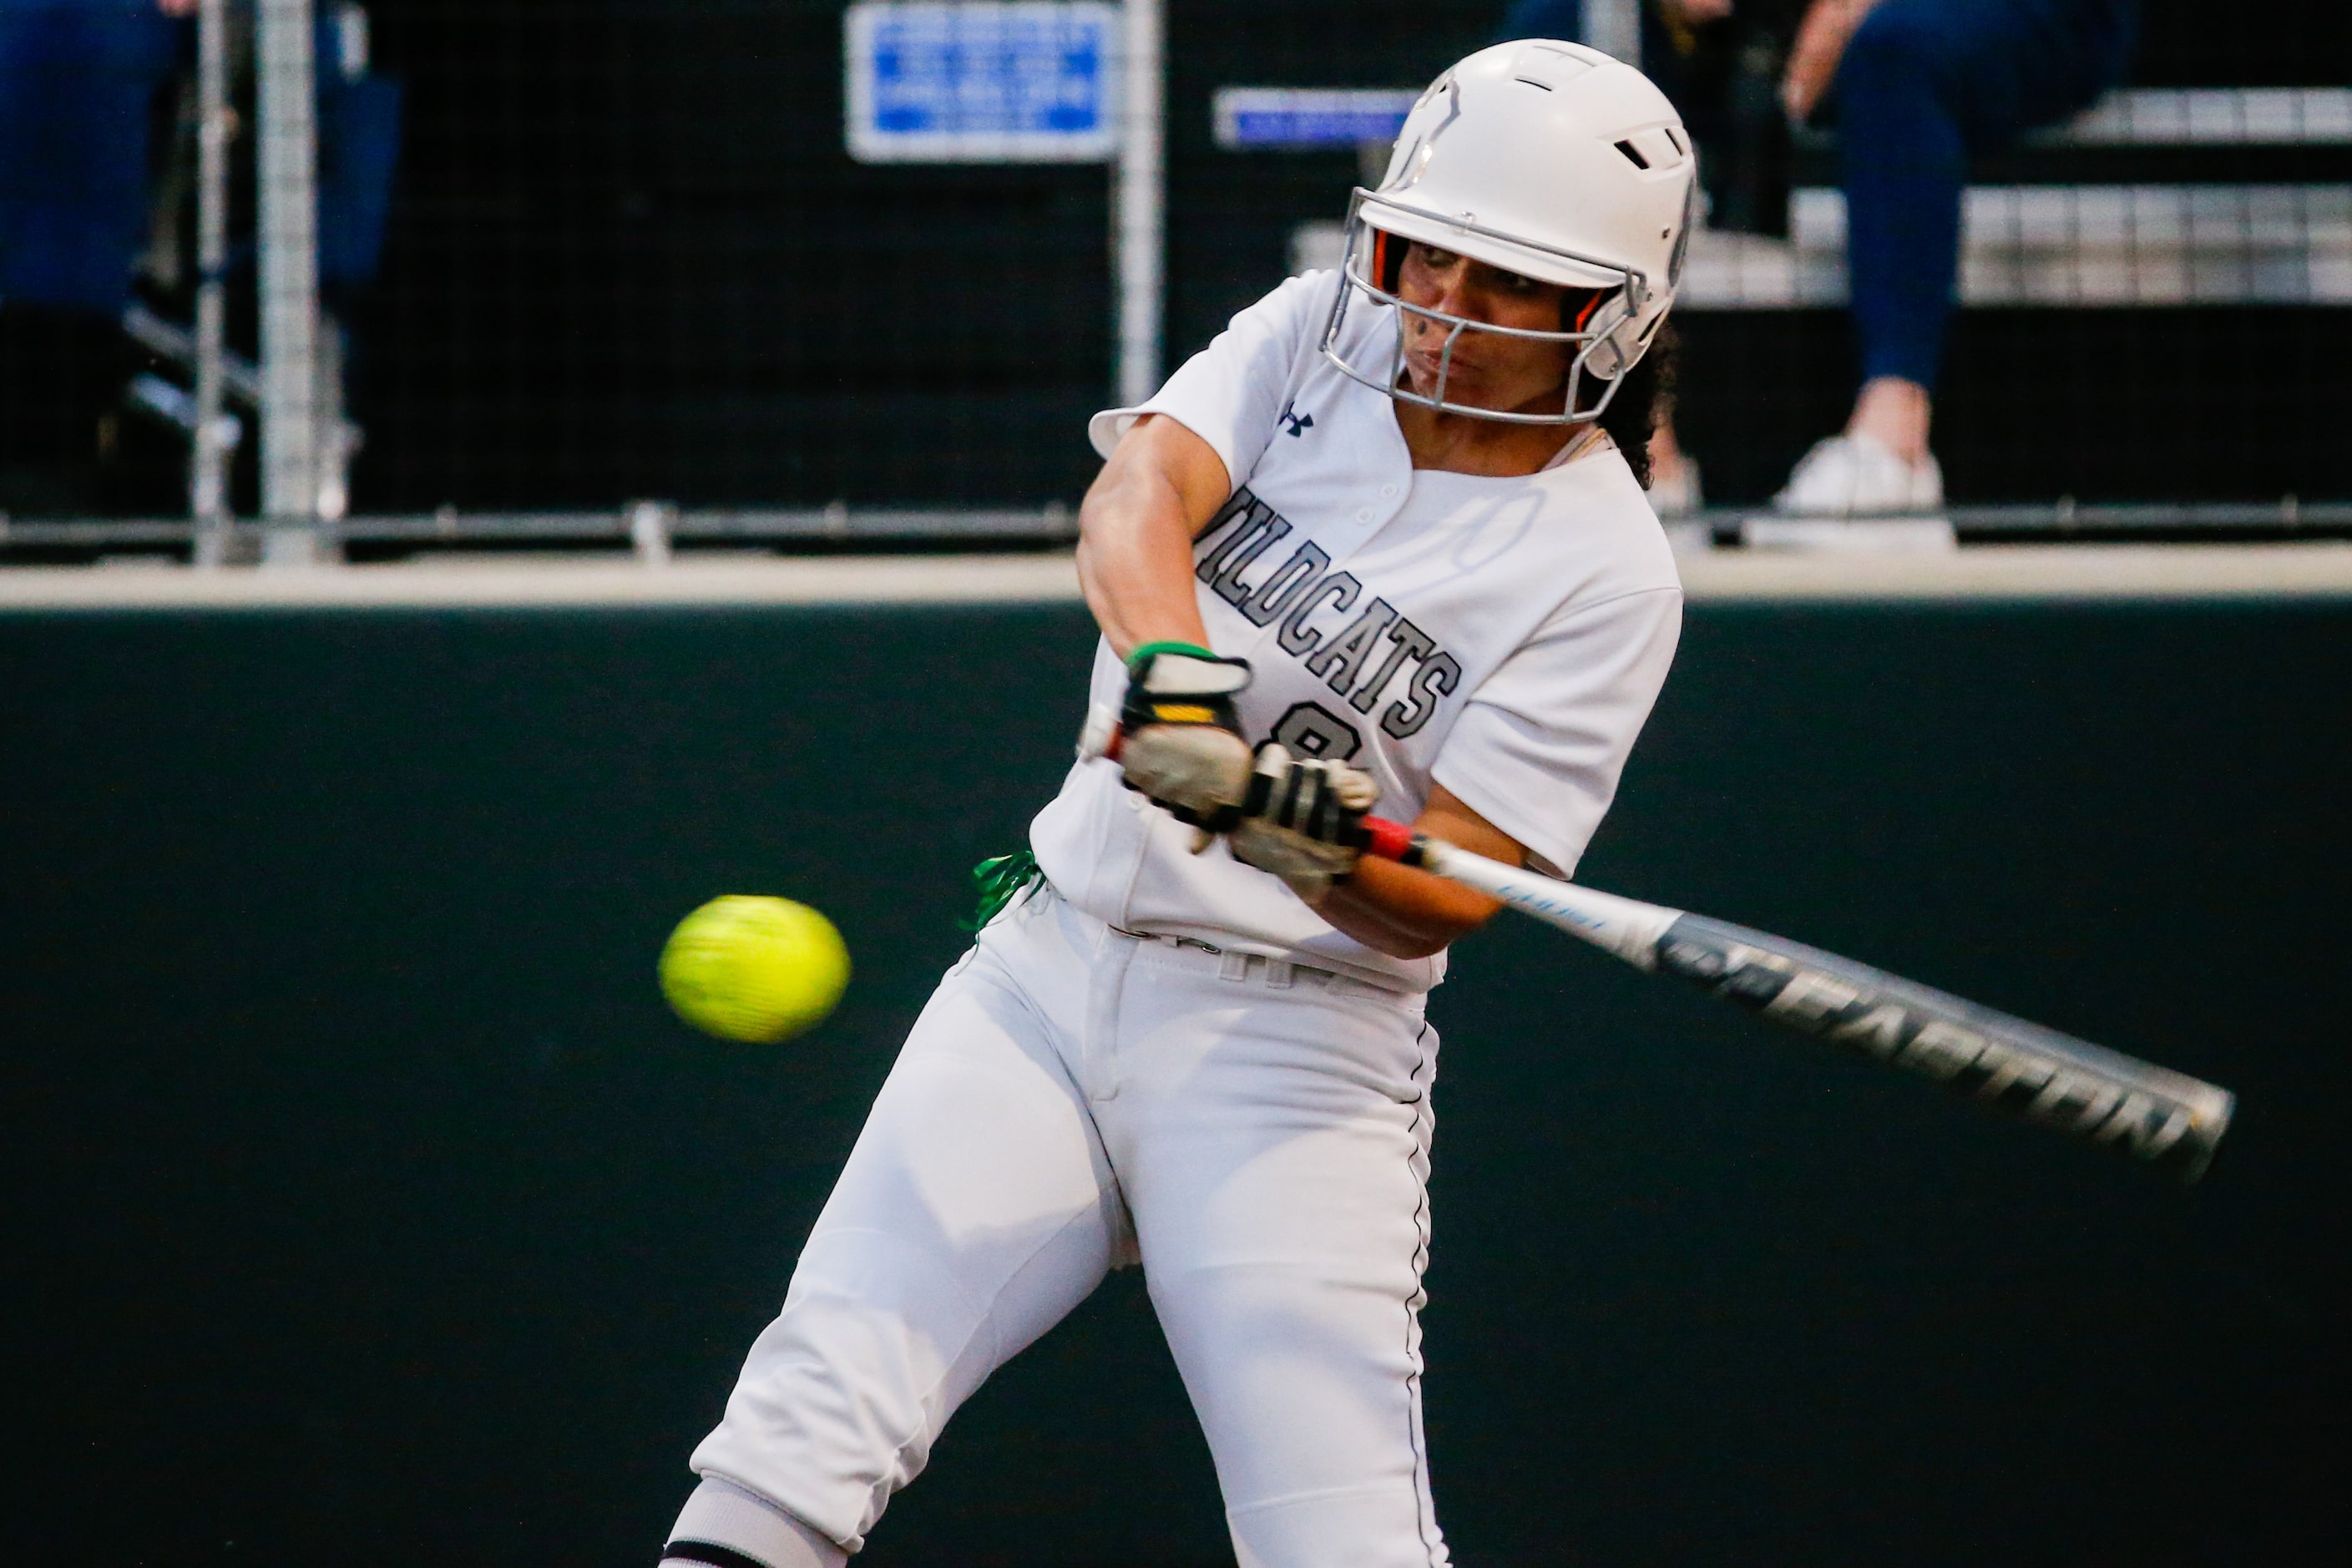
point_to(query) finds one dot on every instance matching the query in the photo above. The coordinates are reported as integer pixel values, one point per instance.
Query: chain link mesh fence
(626, 254)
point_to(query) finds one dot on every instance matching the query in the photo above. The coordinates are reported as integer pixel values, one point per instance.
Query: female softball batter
(1379, 528)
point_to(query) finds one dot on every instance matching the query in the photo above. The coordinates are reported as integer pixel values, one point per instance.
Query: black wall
(364, 1205)
(629, 257)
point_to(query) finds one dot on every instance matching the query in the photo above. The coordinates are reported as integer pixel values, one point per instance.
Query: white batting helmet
(1546, 159)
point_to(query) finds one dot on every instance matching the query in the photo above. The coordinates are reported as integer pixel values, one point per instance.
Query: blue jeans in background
(1924, 83)
(78, 80)
(1543, 19)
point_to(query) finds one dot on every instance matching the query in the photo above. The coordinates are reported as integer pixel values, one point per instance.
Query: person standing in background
(1718, 61)
(1914, 86)
(80, 84)
(1917, 86)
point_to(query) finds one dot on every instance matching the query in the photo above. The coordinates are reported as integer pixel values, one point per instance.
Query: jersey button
(1387, 490)
(1365, 515)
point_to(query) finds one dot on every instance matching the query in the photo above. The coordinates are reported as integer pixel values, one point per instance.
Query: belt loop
(1234, 967)
(1277, 974)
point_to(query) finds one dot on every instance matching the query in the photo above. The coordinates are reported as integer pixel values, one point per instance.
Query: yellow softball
(753, 968)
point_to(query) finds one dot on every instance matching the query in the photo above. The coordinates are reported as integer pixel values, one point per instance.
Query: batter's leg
(1274, 1152)
(976, 1210)
(723, 1526)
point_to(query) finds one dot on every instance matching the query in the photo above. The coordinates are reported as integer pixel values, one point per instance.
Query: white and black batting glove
(1181, 740)
(1304, 820)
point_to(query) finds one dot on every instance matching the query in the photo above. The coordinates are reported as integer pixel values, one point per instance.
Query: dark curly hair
(1647, 396)
(1645, 399)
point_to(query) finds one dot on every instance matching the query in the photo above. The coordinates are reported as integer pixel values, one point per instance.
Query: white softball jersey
(1504, 637)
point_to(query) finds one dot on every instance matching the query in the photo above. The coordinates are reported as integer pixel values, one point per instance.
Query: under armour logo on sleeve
(1300, 423)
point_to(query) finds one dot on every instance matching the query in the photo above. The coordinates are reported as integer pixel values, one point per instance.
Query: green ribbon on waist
(998, 882)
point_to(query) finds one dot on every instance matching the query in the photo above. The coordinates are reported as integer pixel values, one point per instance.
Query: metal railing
(654, 531)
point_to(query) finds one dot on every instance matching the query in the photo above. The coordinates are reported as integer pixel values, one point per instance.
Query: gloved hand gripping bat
(1180, 745)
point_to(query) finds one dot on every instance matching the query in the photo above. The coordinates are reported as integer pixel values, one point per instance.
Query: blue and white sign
(982, 82)
(1302, 119)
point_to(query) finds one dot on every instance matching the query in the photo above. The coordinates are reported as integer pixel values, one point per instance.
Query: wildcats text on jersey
(1357, 658)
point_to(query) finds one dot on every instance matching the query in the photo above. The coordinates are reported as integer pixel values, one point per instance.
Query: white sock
(724, 1526)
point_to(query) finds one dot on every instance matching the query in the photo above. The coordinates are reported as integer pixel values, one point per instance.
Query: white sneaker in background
(1855, 475)
(1675, 493)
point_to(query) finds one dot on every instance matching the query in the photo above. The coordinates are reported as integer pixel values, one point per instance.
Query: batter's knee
(1361, 1527)
(844, 1393)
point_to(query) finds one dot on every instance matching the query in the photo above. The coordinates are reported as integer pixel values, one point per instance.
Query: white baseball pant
(1074, 1099)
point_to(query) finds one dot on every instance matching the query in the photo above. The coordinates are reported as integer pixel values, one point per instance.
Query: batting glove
(1182, 744)
(1302, 820)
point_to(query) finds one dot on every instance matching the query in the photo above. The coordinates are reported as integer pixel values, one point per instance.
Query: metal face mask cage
(1594, 336)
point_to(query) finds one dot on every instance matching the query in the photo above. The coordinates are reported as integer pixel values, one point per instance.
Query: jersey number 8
(1311, 730)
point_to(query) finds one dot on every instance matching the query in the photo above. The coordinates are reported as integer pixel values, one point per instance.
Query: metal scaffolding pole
(288, 222)
(210, 454)
(1614, 28)
(1138, 207)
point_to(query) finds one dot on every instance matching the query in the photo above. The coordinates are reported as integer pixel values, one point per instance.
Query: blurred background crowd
(578, 252)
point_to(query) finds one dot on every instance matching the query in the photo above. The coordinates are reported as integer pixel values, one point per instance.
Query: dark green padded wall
(365, 1207)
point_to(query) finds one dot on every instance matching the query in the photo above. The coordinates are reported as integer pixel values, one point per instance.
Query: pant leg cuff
(754, 1532)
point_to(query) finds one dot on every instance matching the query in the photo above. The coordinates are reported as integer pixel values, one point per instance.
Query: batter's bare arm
(1408, 914)
(1136, 530)
(1184, 747)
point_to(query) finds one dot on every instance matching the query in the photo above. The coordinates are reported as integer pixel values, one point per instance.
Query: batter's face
(1489, 370)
